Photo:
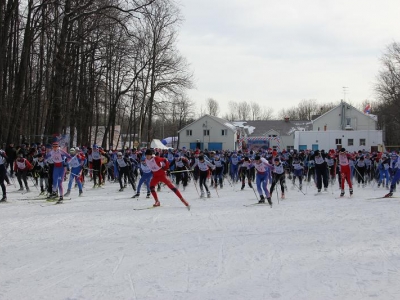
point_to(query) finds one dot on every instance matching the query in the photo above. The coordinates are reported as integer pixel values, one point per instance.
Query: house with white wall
(345, 117)
(343, 126)
(208, 132)
(276, 134)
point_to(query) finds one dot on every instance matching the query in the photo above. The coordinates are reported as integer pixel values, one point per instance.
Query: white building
(277, 134)
(210, 133)
(370, 140)
(343, 126)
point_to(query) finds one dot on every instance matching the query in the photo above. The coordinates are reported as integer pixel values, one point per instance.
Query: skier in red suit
(343, 158)
(158, 166)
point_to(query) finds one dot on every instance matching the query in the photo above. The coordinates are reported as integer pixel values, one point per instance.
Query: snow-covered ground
(98, 247)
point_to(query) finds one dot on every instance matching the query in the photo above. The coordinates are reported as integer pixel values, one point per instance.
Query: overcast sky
(278, 53)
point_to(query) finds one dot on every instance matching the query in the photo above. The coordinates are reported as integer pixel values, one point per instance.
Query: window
(206, 132)
(189, 132)
(350, 142)
(362, 142)
(288, 148)
(272, 135)
(338, 141)
(348, 121)
(224, 132)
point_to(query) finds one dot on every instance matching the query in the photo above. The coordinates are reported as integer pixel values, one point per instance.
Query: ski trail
(118, 264)
(221, 258)
(187, 269)
(132, 286)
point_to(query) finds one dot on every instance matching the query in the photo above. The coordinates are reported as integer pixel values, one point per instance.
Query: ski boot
(53, 195)
(148, 195)
(80, 193)
(4, 199)
(60, 200)
(326, 190)
(121, 189)
(67, 193)
(351, 192)
(242, 188)
(262, 199)
(136, 195)
(157, 203)
(21, 189)
(269, 201)
(388, 195)
(342, 193)
(202, 194)
(283, 196)
(208, 194)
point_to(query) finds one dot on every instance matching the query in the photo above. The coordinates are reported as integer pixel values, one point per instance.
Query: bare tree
(244, 111)
(212, 107)
(255, 111)
(233, 111)
(306, 109)
(168, 72)
(267, 113)
(388, 92)
(290, 113)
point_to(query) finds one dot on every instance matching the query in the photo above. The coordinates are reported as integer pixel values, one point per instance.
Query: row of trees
(245, 111)
(387, 105)
(238, 110)
(80, 64)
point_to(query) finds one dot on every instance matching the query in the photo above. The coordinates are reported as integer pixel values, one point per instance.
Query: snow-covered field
(98, 247)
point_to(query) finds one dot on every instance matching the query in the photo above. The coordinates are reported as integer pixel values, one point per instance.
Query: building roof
(347, 105)
(223, 122)
(284, 128)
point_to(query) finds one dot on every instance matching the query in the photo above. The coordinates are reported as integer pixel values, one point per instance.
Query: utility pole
(345, 92)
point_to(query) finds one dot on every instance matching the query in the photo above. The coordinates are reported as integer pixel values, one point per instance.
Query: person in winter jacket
(159, 165)
(145, 177)
(124, 170)
(3, 174)
(58, 157)
(75, 165)
(345, 173)
(204, 169)
(22, 166)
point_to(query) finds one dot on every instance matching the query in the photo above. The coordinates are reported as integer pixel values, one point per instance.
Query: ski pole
(298, 188)
(362, 177)
(252, 186)
(34, 183)
(230, 183)
(277, 195)
(12, 179)
(181, 171)
(195, 185)
(216, 190)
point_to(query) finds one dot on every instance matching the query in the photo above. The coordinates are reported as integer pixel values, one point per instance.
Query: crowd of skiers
(48, 166)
